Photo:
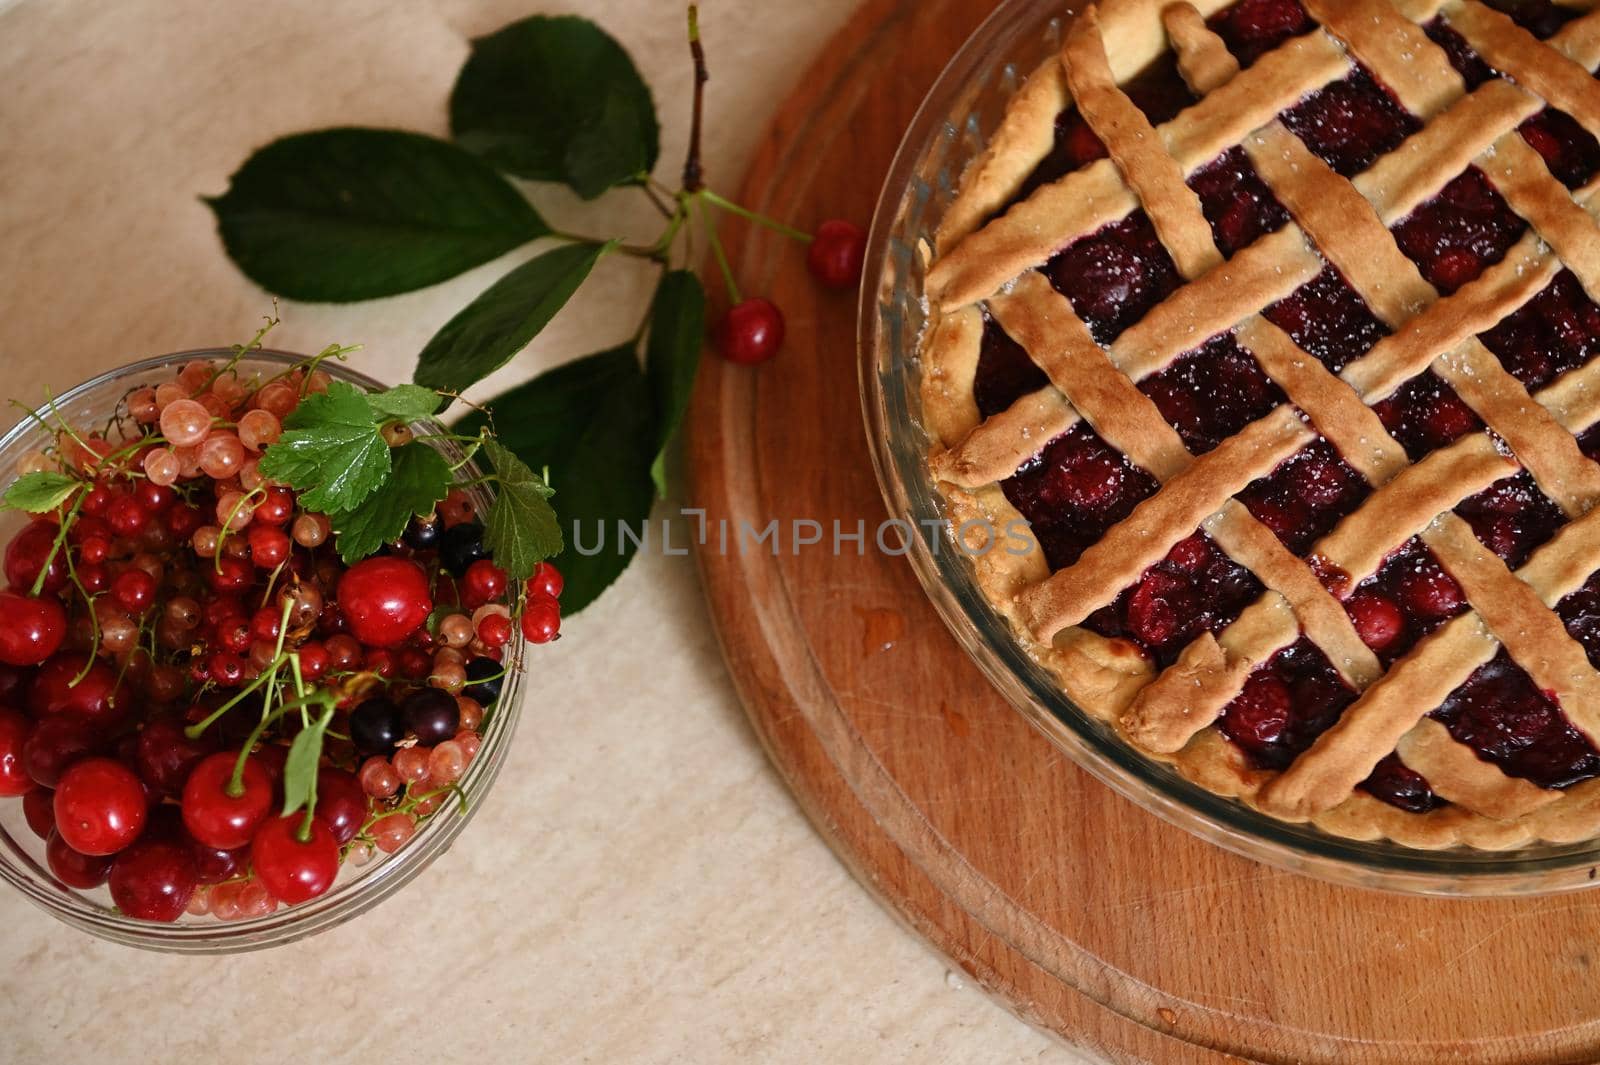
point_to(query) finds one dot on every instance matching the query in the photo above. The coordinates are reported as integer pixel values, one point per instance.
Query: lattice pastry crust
(989, 264)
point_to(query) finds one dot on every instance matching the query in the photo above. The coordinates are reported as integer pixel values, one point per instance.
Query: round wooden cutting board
(1087, 915)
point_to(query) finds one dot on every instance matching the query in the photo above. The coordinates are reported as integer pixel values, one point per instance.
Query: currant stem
(693, 173)
(55, 546)
(760, 219)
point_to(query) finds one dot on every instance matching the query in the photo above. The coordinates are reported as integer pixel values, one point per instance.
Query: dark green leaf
(330, 450)
(410, 403)
(556, 99)
(590, 423)
(352, 214)
(521, 530)
(502, 321)
(420, 477)
(40, 491)
(300, 767)
(672, 355)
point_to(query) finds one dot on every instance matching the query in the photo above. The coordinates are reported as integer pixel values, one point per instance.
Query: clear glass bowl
(962, 109)
(358, 889)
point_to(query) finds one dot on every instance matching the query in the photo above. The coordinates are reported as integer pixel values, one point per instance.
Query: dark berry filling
(1512, 517)
(1195, 589)
(1237, 203)
(1461, 232)
(1556, 331)
(1211, 393)
(1542, 18)
(1580, 612)
(1350, 123)
(1425, 414)
(1326, 317)
(1252, 28)
(1589, 442)
(1305, 497)
(1399, 785)
(1409, 597)
(1570, 151)
(1076, 490)
(1285, 705)
(1507, 721)
(1468, 63)
(1114, 276)
(1005, 372)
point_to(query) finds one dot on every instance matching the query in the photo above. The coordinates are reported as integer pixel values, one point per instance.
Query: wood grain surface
(1089, 916)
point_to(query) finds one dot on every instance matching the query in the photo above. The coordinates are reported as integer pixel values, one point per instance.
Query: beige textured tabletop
(640, 887)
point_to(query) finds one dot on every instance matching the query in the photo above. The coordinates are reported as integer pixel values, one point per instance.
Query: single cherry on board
(384, 600)
(214, 817)
(751, 332)
(100, 806)
(31, 628)
(292, 869)
(836, 252)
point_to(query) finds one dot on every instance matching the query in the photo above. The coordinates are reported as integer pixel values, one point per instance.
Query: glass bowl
(962, 109)
(358, 888)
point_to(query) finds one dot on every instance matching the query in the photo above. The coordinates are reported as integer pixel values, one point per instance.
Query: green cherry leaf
(672, 356)
(556, 99)
(409, 403)
(501, 322)
(300, 767)
(41, 491)
(418, 479)
(348, 214)
(590, 423)
(330, 450)
(521, 530)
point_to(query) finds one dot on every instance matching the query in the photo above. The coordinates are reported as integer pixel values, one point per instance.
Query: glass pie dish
(358, 887)
(951, 129)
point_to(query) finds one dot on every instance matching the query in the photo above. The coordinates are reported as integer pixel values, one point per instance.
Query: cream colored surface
(640, 887)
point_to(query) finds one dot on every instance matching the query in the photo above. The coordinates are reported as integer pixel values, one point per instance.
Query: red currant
(154, 498)
(94, 577)
(384, 600)
(546, 580)
(213, 816)
(100, 806)
(269, 545)
(276, 508)
(484, 582)
(495, 630)
(14, 732)
(126, 516)
(751, 332)
(291, 869)
(81, 871)
(134, 590)
(154, 880)
(230, 575)
(313, 660)
(541, 619)
(26, 553)
(836, 252)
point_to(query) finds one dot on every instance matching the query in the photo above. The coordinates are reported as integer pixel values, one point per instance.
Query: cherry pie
(1276, 323)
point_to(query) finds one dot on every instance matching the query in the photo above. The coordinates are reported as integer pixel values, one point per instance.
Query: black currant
(423, 533)
(484, 678)
(433, 715)
(460, 546)
(377, 726)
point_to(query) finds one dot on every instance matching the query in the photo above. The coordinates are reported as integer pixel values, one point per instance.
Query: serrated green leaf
(300, 767)
(501, 322)
(353, 214)
(672, 356)
(41, 491)
(330, 450)
(589, 422)
(418, 478)
(407, 402)
(521, 530)
(556, 99)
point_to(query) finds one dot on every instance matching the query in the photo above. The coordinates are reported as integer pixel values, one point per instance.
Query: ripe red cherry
(1377, 619)
(1257, 718)
(31, 629)
(341, 802)
(546, 579)
(39, 809)
(100, 806)
(97, 696)
(154, 879)
(81, 871)
(54, 744)
(836, 251)
(290, 869)
(25, 557)
(751, 332)
(1430, 593)
(541, 619)
(166, 756)
(384, 600)
(215, 818)
(14, 731)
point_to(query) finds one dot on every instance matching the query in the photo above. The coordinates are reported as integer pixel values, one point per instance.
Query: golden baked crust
(989, 266)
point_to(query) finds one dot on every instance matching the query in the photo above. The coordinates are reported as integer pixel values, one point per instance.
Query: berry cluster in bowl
(208, 704)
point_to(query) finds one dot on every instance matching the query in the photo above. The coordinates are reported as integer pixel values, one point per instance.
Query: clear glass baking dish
(358, 888)
(962, 109)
